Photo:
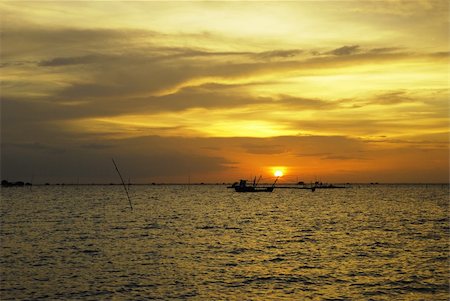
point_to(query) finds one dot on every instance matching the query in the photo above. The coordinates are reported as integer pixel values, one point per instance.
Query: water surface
(379, 242)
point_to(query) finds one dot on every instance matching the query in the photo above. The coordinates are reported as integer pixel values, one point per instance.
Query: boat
(242, 187)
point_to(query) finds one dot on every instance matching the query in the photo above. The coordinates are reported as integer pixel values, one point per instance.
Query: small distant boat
(243, 187)
(312, 186)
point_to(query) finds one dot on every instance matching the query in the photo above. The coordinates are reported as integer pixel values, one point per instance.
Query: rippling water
(382, 242)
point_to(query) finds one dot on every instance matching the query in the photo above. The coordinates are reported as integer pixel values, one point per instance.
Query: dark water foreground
(209, 243)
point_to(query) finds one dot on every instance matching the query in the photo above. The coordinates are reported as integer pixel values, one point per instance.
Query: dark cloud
(341, 157)
(168, 53)
(300, 103)
(275, 54)
(433, 140)
(313, 154)
(77, 91)
(394, 97)
(442, 54)
(42, 42)
(345, 50)
(141, 159)
(153, 54)
(385, 50)
(64, 61)
(221, 87)
(15, 63)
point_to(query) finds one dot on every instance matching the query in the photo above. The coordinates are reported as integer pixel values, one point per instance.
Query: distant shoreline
(13, 184)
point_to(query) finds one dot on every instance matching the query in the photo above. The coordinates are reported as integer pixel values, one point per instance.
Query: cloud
(276, 54)
(36, 146)
(354, 155)
(342, 157)
(15, 64)
(401, 7)
(394, 97)
(99, 146)
(42, 42)
(345, 50)
(114, 65)
(141, 159)
(365, 128)
(385, 50)
(64, 61)
(299, 103)
(264, 148)
(441, 54)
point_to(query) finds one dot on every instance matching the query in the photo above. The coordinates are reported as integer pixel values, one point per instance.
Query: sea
(207, 242)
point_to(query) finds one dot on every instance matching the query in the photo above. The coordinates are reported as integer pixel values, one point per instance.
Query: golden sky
(341, 91)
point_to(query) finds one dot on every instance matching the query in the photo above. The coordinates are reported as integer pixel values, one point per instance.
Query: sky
(215, 91)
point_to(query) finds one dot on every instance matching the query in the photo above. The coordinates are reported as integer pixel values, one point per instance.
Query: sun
(278, 173)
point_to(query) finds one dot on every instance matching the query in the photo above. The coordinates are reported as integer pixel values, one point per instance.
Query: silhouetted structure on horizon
(6, 183)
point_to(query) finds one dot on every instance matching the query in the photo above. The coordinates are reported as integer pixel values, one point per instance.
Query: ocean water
(378, 242)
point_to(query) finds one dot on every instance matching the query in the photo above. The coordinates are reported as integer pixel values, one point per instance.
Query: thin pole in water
(123, 183)
(273, 185)
(31, 182)
(259, 179)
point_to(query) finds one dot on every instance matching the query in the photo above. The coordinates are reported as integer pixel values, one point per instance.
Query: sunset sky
(340, 91)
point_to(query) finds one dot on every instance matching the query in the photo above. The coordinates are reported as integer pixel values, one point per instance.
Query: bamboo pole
(123, 183)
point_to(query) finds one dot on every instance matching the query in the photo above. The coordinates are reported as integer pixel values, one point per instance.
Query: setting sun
(278, 173)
